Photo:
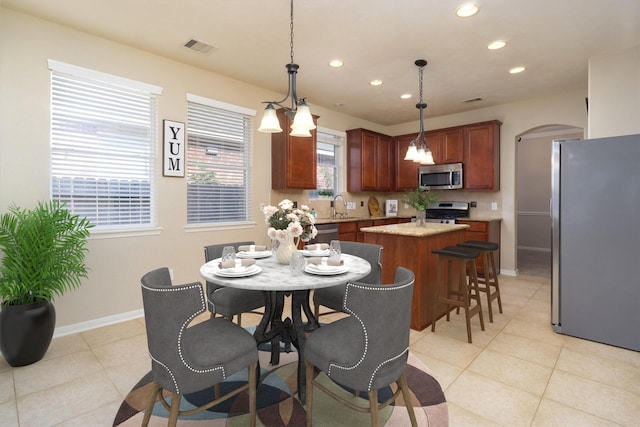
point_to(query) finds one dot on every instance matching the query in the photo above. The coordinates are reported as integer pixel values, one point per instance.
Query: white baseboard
(97, 323)
(509, 272)
(533, 248)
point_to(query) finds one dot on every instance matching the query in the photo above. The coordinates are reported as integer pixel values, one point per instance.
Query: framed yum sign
(174, 148)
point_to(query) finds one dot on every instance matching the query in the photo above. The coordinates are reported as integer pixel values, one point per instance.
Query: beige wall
(614, 93)
(117, 263)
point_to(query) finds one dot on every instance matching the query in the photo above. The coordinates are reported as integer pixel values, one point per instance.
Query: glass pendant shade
(302, 121)
(425, 156)
(300, 133)
(428, 158)
(270, 123)
(412, 152)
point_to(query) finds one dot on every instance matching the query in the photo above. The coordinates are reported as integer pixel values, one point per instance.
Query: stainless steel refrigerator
(595, 210)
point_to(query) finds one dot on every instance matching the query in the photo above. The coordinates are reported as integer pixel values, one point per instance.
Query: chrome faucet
(334, 212)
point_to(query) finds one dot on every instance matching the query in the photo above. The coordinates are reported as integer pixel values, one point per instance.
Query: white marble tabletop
(278, 277)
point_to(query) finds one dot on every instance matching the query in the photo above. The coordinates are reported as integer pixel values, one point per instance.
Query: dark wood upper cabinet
(370, 161)
(376, 162)
(482, 156)
(406, 171)
(293, 159)
(451, 146)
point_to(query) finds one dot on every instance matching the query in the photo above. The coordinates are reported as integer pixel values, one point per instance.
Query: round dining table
(276, 281)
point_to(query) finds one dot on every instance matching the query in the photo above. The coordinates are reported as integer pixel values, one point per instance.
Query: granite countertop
(485, 218)
(358, 218)
(411, 229)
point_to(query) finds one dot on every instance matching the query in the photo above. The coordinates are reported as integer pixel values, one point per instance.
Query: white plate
(254, 254)
(326, 270)
(315, 253)
(237, 272)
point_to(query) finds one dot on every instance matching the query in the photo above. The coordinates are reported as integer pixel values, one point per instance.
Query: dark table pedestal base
(289, 331)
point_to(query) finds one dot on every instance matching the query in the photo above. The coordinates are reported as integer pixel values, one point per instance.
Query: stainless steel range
(447, 212)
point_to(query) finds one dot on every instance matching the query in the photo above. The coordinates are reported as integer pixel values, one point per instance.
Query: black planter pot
(26, 332)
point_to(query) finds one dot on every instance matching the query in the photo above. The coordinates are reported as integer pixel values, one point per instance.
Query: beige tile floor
(516, 373)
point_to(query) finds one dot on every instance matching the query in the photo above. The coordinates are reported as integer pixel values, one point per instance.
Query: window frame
(249, 115)
(146, 153)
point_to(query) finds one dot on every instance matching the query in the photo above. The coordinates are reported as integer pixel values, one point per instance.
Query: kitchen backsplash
(484, 201)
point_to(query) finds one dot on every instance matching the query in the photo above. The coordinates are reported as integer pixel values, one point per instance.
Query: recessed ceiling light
(497, 44)
(336, 63)
(466, 10)
(405, 96)
(375, 82)
(516, 70)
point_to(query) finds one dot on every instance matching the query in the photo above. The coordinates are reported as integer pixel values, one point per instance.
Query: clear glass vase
(420, 219)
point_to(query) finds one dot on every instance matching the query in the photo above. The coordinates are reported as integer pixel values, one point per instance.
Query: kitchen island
(411, 246)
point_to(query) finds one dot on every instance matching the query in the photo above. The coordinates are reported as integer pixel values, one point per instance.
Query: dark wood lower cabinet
(484, 231)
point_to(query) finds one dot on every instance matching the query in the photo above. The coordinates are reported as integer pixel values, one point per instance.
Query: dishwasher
(326, 233)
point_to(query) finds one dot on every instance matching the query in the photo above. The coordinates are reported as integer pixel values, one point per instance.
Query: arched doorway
(533, 193)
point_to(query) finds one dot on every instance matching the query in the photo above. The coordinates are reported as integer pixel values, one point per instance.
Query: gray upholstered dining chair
(332, 297)
(367, 350)
(189, 358)
(229, 302)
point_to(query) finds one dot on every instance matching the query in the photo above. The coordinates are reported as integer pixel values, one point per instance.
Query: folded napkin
(329, 261)
(246, 262)
(248, 248)
(317, 247)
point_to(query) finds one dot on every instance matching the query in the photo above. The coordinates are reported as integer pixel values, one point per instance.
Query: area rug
(277, 404)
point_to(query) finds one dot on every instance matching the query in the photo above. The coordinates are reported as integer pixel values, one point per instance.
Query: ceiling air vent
(199, 46)
(469, 101)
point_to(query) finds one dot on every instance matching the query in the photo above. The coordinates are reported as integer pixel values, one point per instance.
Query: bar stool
(460, 294)
(489, 276)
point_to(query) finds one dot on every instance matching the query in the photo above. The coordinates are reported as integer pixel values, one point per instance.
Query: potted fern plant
(420, 198)
(43, 252)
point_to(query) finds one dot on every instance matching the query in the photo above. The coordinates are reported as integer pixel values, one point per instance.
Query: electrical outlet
(406, 206)
(351, 205)
(361, 203)
(473, 204)
(494, 206)
(295, 204)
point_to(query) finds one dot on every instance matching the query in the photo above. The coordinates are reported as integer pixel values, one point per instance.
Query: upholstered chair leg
(402, 383)
(152, 401)
(216, 391)
(309, 387)
(239, 319)
(253, 384)
(316, 309)
(174, 410)
(373, 407)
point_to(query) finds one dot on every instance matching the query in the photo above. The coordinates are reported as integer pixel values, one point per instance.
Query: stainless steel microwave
(441, 177)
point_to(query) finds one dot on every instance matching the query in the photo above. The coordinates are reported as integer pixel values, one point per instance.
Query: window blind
(218, 164)
(103, 135)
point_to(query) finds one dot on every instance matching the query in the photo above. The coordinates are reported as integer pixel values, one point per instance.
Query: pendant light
(418, 150)
(299, 110)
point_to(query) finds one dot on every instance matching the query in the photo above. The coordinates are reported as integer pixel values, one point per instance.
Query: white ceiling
(377, 39)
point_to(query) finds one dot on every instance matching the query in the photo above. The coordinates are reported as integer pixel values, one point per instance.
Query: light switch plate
(494, 206)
